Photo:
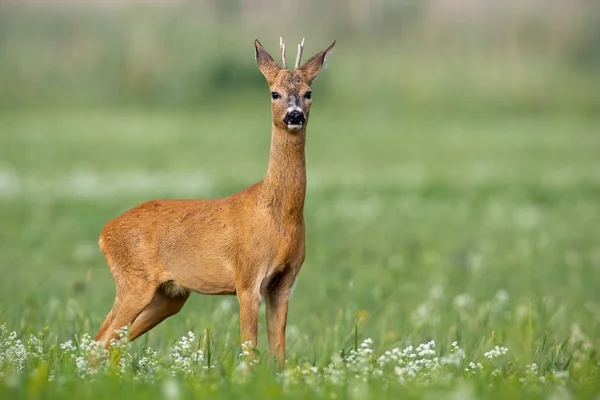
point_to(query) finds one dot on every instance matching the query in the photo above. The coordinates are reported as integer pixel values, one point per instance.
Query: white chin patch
(290, 126)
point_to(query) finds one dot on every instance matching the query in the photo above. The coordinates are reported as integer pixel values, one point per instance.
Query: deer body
(251, 244)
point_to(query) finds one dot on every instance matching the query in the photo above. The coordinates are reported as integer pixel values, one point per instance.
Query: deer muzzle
(294, 119)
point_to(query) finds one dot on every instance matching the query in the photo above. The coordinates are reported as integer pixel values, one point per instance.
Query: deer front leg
(249, 304)
(277, 309)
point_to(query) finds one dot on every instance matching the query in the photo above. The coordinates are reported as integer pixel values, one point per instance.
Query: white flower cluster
(147, 365)
(412, 365)
(472, 368)
(456, 356)
(183, 358)
(247, 360)
(303, 374)
(36, 350)
(357, 363)
(89, 357)
(421, 365)
(496, 352)
(532, 375)
(123, 346)
(13, 354)
(246, 354)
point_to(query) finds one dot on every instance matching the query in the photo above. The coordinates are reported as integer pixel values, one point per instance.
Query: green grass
(481, 230)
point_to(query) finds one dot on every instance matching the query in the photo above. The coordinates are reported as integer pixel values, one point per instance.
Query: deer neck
(284, 186)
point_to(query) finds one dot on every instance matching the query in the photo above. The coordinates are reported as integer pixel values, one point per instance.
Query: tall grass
(421, 231)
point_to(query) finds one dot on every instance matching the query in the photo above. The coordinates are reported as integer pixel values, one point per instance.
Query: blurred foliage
(473, 55)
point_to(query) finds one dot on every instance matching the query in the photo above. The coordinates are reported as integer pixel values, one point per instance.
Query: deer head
(291, 95)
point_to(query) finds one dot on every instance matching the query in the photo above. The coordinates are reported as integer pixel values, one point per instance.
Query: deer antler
(299, 56)
(282, 49)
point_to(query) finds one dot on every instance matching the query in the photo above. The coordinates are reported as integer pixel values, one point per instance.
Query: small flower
(182, 358)
(13, 353)
(455, 357)
(68, 346)
(472, 368)
(496, 352)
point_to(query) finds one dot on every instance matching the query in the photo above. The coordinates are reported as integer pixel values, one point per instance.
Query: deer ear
(315, 64)
(265, 62)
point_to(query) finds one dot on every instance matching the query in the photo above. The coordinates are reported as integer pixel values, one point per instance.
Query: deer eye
(308, 95)
(274, 95)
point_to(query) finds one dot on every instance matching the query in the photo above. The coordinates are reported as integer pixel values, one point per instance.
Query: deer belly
(204, 277)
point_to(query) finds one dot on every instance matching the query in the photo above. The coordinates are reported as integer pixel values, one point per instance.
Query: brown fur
(251, 244)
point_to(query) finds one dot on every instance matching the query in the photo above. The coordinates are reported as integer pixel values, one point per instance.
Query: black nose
(294, 117)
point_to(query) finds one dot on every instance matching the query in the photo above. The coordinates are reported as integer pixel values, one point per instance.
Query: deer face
(290, 100)
(291, 95)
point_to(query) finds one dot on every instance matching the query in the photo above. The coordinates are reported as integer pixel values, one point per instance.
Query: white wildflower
(36, 351)
(13, 354)
(183, 358)
(472, 368)
(68, 346)
(123, 345)
(496, 352)
(455, 357)
(147, 365)
(89, 357)
(532, 376)
(335, 371)
(418, 365)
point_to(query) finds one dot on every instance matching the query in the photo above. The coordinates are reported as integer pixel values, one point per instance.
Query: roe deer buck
(251, 244)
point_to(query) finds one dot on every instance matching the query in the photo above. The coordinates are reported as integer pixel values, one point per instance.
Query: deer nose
(294, 117)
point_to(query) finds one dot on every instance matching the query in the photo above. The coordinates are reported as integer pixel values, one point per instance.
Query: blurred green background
(453, 150)
(434, 54)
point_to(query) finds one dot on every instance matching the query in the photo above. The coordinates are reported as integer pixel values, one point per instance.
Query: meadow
(479, 231)
(452, 211)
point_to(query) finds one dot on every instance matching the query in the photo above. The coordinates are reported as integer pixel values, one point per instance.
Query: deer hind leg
(127, 307)
(167, 301)
(134, 293)
(106, 324)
